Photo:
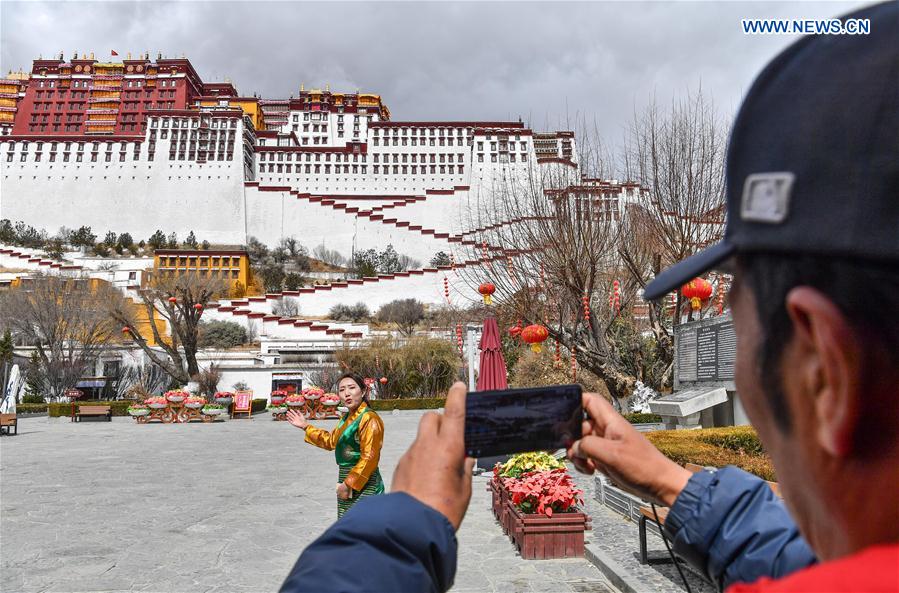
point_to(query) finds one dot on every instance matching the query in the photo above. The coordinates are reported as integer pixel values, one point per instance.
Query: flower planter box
(139, 412)
(276, 400)
(539, 537)
(296, 404)
(157, 406)
(193, 405)
(224, 401)
(213, 412)
(175, 399)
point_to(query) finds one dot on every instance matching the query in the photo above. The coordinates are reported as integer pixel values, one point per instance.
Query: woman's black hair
(357, 378)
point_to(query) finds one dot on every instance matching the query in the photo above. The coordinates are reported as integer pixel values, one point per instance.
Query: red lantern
(697, 290)
(383, 380)
(487, 289)
(515, 331)
(198, 307)
(126, 330)
(535, 335)
(173, 300)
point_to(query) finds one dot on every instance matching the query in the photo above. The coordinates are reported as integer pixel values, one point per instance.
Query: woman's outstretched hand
(296, 418)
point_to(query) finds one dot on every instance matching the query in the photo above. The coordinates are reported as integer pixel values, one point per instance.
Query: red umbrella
(493, 366)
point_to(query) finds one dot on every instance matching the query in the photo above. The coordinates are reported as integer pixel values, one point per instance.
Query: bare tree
(548, 238)
(179, 302)
(405, 313)
(678, 158)
(325, 376)
(141, 380)
(65, 320)
(329, 256)
(286, 307)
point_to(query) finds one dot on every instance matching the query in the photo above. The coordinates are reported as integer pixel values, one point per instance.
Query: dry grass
(716, 447)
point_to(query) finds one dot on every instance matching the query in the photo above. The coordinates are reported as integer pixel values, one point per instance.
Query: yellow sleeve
(322, 438)
(371, 438)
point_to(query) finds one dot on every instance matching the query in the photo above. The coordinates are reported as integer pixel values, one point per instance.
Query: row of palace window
(377, 169)
(203, 273)
(415, 141)
(184, 122)
(503, 158)
(285, 156)
(175, 261)
(421, 132)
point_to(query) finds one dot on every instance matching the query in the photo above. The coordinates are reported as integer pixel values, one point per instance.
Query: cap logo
(766, 197)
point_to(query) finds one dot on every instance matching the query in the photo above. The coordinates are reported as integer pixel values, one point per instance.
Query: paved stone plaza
(98, 506)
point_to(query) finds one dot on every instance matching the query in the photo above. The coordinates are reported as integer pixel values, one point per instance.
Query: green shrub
(642, 418)
(221, 334)
(118, 407)
(258, 405)
(418, 403)
(704, 447)
(32, 398)
(31, 408)
(421, 367)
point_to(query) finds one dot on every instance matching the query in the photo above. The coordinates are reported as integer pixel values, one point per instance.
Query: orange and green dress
(356, 442)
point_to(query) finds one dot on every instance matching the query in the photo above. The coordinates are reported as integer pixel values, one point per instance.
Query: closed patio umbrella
(492, 373)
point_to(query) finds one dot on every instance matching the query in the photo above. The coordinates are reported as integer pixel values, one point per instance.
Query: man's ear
(828, 360)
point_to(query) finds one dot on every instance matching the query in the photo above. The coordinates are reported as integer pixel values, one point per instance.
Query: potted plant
(223, 397)
(330, 399)
(138, 409)
(277, 408)
(176, 396)
(295, 401)
(157, 402)
(278, 396)
(545, 520)
(194, 402)
(514, 467)
(213, 409)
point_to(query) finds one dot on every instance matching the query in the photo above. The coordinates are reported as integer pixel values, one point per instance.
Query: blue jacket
(391, 544)
(728, 524)
(731, 526)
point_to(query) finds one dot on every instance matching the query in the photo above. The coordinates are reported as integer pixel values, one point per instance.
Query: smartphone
(519, 420)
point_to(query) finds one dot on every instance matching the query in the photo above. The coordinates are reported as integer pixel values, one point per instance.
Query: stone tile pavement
(223, 508)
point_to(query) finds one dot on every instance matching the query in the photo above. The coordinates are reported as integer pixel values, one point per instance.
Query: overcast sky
(435, 60)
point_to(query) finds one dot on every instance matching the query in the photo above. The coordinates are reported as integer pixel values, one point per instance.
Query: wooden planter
(539, 537)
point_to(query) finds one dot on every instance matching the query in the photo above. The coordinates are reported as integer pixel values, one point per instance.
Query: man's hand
(296, 418)
(434, 469)
(611, 445)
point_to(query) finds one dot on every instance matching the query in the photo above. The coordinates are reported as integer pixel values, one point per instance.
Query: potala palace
(140, 145)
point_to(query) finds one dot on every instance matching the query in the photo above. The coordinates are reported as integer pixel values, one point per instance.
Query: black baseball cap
(813, 160)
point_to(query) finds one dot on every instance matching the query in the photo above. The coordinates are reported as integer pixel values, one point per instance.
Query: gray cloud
(465, 60)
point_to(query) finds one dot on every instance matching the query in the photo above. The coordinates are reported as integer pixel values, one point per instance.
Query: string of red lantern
(446, 290)
(585, 301)
(459, 337)
(557, 359)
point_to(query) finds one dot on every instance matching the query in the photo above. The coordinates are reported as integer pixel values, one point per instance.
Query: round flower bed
(278, 396)
(156, 403)
(138, 411)
(176, 396)
(213, 410)
(277, 409)
(195, 403)
(295, 401)
(313, 393)
(223, 397)
(330, 399)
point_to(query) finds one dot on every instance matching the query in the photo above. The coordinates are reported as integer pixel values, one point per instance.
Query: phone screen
(519, 420)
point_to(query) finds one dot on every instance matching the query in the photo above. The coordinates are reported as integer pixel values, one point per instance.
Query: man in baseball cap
(812, 238)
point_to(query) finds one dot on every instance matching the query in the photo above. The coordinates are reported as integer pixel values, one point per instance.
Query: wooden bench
(10, 423)
(94, 411)
(647, 514)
